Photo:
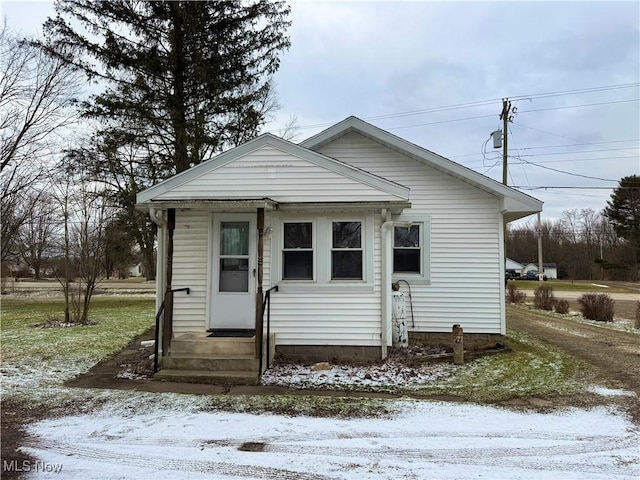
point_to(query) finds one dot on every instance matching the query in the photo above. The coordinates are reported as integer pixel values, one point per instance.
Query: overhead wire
(479, 103)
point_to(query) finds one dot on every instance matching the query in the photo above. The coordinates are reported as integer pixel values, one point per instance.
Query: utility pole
(506, 117)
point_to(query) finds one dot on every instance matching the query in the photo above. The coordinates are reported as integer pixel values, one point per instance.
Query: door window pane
(234, 275)
(234, 238)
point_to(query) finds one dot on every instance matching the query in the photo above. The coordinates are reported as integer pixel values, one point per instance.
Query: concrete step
(203, 345)
(239, 363)
(221, 377)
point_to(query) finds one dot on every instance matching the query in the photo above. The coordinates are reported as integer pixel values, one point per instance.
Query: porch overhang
(213, 205)
(249, 205)
(395, 207)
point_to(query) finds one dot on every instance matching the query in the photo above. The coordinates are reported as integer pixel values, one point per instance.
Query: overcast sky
(572, 69)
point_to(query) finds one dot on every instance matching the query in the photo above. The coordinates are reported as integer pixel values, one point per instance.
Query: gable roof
(176, 187)
(515, 204)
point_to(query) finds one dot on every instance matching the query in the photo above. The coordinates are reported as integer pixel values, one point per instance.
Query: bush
(562, 306)
(514, 295)
(544, 298)
(638, 315)
(596, 306)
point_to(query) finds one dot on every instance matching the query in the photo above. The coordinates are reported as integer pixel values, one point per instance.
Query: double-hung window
(297, 254)
(407, 250)
(346, 251)
(411, 251)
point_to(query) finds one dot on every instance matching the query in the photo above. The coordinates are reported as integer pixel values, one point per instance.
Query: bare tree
(36, 103)
(86, 213)
(36, 96)
(37, 231)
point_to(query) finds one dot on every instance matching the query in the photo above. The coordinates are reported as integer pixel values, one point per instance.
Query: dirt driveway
(614, 355)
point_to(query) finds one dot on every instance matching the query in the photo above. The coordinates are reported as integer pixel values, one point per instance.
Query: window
(407, 251)
(346, 251)
(297, 254)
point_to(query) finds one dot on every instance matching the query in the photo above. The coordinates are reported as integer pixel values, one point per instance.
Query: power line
(564, 145)
(479, 103)
(578, 106)
(565, 172)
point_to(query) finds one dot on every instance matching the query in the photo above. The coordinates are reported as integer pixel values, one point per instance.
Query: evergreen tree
(623, 212)
(188, 78)
(181, 82)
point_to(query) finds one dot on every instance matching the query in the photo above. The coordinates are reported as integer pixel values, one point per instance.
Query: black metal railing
(266, 307)
(158, 316)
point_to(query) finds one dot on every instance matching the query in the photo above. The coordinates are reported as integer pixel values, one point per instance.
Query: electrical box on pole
(497, 138)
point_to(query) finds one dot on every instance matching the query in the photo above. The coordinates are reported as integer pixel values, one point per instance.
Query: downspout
(159, 217)
(386, 231)
(502, 228)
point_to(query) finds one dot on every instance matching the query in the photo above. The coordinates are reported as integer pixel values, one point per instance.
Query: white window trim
(322, 246)
(424, 277)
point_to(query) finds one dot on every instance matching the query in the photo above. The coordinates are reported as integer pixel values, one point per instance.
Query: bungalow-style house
(295, 247)
(548, 269)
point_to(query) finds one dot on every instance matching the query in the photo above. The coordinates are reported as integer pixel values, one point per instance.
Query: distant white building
(513, 265)
(548, 269)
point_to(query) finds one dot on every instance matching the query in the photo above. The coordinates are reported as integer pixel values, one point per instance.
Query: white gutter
(386, 232)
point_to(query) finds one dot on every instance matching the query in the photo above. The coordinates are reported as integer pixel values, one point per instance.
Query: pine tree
(180, 82)
(188, 78)
(623, 212)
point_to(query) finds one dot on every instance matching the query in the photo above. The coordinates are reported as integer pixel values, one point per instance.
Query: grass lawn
(35, 358)
(48, 356)
(577, 286)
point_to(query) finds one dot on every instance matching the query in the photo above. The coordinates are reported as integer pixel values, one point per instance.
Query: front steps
(196, 358)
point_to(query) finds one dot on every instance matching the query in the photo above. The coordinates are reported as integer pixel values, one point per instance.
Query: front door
(233, 271)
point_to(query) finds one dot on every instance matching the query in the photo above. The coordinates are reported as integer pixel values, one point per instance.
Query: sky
(435, 74)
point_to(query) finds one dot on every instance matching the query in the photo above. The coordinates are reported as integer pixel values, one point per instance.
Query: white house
(331, 223)
(513, 265)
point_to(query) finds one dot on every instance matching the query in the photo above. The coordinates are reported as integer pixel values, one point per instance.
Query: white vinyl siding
(190, 269)
(464, 250)
(271, 173)
(334, 312)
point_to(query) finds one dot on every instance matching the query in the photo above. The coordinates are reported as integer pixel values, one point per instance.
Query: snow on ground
(426, 440)
(382, 376)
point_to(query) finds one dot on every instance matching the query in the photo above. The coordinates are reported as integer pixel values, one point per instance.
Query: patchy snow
(389, 374)
(610, 392)
(601, 286)
(423, 440)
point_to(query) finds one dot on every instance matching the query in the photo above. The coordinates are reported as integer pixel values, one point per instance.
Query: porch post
(259, 329)
(167, 328)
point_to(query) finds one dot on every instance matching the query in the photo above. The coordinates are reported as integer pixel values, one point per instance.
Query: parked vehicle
(512, 275)
(533, 275)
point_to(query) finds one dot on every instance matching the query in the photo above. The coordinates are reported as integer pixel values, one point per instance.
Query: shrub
(544, 298)
(596, 306)
(514, 295)
(562, 306)
(638, 315)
